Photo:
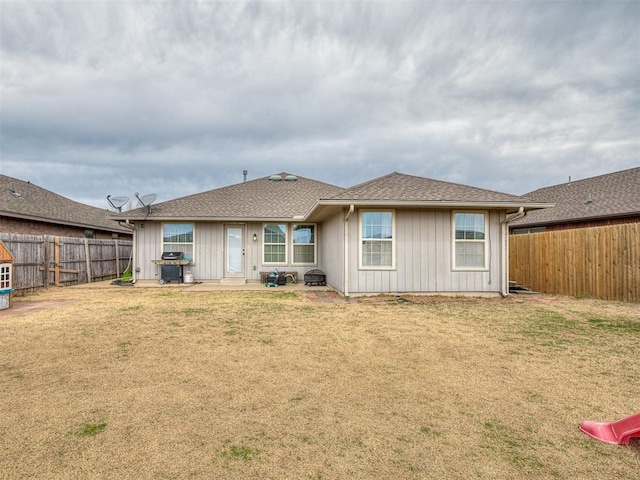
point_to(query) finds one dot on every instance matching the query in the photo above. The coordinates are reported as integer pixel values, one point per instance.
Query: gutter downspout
(504, 284)
(346, 250)
(134, 230)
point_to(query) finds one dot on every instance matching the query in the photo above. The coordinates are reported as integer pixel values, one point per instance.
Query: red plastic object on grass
(619, 432)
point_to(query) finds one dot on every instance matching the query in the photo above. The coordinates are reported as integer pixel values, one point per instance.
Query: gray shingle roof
(20, 199)
(256, 199)
(606, 196)
(267, 199)
(408, 188)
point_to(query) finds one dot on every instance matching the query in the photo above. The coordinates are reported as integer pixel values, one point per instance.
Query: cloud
(180, 97)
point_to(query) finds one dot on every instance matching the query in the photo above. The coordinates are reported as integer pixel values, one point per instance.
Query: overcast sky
(177, 98)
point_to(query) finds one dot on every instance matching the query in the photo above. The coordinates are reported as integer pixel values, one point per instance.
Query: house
(396, 233)
(26, 208)
(597, 201)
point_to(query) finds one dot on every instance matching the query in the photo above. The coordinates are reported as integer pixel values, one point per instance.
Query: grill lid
(172, 255)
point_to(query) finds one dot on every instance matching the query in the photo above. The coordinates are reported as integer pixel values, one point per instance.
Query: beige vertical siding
(331, 250)
(209, 253)
(253, 251)
(423, 257)
(148, 245)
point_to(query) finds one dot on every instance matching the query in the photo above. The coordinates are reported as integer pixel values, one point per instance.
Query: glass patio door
(234, 251)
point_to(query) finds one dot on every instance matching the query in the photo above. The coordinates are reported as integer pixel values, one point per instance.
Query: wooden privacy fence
(599, 262)
(46, 260)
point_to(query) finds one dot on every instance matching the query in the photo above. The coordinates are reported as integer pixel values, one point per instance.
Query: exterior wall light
(255, 237)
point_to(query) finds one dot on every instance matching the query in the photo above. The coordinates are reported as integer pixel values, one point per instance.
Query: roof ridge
(420, 178)
(372, 180)
(256, 198)
(235, 185)
(583, 180)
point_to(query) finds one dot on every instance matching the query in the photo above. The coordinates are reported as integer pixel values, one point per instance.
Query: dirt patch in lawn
(156, 383)
(23, 307)
(324, 297)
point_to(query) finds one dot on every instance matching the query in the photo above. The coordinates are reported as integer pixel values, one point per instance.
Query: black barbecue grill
(172, 256)
(171, 264)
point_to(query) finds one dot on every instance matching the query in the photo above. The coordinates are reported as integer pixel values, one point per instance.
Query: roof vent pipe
(244, 174)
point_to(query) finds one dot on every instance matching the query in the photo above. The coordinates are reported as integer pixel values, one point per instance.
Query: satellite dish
(146, 200)
(117, 202)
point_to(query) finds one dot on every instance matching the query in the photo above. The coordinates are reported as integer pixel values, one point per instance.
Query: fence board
(29, 257)
(599, 262)
(40, 263)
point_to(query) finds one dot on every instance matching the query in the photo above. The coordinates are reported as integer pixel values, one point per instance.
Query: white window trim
(485, 268)
(7, 277)
(393, 240)
(315, 244)
(193, 242)
(286, 244)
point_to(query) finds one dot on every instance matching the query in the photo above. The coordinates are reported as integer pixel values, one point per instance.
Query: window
(470, 244)
(88, 234)
(5, 275)
(275, 243)
(523, 231)
(304, 244)
(377, 233)
(178, 237)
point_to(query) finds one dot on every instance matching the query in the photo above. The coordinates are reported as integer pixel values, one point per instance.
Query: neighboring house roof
(615, 195)
(263, 198)
(24, 200)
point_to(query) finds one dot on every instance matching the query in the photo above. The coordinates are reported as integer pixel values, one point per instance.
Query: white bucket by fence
(188, 277)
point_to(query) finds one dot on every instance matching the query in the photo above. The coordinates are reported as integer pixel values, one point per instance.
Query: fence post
(87, 259)
(56, 260)
(115, 241)
(47, 260)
